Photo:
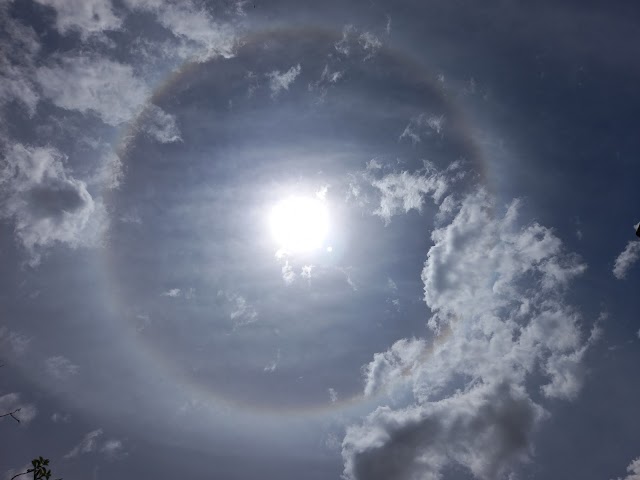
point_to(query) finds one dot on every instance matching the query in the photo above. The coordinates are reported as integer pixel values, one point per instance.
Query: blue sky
(447, 288)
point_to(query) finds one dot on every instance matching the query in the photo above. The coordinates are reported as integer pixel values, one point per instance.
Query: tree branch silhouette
(12, 415)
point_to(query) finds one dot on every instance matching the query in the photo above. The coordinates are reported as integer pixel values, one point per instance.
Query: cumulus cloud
(485, 429)
(46, 204)
(95, 85)
(11, 402)
(501, 327)
(626, 259)
(61, 367)
(200, 37)
(279, 81)
(404, 191)
(633, 470)
(87, 17)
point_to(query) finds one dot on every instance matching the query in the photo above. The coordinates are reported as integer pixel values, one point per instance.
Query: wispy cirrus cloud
(423, 125)
(626, 259)
(279, 81)
(92, 443)
(273, 364)
(240, 311)
(353, 41)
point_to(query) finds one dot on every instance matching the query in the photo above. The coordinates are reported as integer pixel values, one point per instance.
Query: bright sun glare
(299, 224)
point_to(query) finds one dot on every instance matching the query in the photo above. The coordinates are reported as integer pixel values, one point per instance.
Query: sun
(299, 224)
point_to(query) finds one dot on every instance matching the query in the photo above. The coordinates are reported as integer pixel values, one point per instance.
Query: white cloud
(326, 81)
(11, 401)
(633, 470)
(87, 445)
(241, 312)
(321, 194)
(373, 164)
(333, 395)
(421, 125)
(58, 417)
(200, 37)
(87, 84)
(626, 259)
(159, 125)
(306, 271)
(365, 43)
(346, 271)
(485, 429)
(288, 275)
(61, 367)
(177, 292)
(87, 17)
(370, 44)
(403, 192)
(501, 328)
(273, 365)
(16, 342)
(18, 47)
(110, 172)
(279, 81)
(91, 443)
(112, 448)
(47, 204)
(173, 293)
(344, 45)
